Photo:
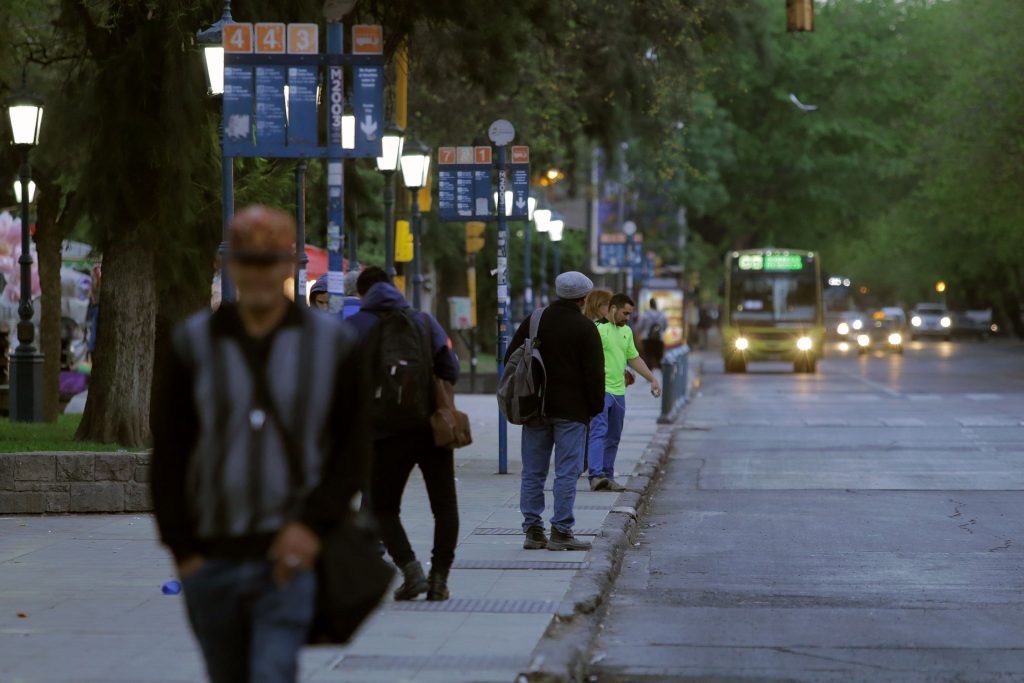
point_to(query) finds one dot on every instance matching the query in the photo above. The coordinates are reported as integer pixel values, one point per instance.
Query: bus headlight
(945, 322)
(916, 321)
(843, 329)
(742, 344)
(863, 340)
(857, 324)
(804, 343)
(895, 339)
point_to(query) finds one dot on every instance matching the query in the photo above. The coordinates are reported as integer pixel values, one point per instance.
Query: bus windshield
(759, 296)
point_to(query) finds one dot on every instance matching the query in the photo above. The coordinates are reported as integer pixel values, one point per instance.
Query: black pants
(653, 351)
(394, 458)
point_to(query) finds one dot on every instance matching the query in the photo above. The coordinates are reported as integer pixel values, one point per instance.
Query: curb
(561, 655)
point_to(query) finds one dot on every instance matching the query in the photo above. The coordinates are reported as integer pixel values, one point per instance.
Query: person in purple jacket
(395, 453)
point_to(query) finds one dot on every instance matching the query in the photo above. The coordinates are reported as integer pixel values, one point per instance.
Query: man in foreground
(256, 456)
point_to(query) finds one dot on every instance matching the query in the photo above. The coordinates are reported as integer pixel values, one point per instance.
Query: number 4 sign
(270, 38)
(238, 38)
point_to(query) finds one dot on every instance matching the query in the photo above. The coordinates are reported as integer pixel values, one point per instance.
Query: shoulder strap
(535, 321)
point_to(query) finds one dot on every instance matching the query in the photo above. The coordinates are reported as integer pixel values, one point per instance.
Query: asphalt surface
(862, 524)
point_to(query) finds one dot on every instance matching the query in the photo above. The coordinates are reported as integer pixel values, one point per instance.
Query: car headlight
(895, 339)
(843, 328)
(864, 340)
(857, 324)
(945, 322)
(742, 344)
(804, 343)
(843, 346)
(916, 321)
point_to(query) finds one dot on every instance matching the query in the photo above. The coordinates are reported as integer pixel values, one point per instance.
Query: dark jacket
(571, 349)
(384, 297)
(208, 497)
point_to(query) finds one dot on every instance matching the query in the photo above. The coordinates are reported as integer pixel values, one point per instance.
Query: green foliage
(24, 437)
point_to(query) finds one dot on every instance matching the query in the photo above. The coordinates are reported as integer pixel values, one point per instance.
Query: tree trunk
(48, 241)
(118, 407)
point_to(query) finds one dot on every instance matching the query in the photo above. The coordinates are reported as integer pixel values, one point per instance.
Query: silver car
(931, 320)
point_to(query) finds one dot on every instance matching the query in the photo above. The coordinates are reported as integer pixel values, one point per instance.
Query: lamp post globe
(211, 42)
(555, 229)
(25, 116)
(31, 191)
(542, 218)
(415, 172)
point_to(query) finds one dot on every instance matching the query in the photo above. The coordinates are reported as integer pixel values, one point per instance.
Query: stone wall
(36, 483)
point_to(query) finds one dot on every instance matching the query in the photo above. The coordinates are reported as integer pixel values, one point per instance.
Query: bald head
(260, 233)
(262, 256)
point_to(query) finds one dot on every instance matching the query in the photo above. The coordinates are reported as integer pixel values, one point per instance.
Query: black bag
(401, 374)
(351, 580)
(351, 576)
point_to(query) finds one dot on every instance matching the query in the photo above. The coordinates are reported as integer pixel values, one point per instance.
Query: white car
(931, 320)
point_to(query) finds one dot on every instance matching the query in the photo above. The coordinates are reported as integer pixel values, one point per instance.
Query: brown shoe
(563, 541)
(535, 539)
(599, 484)
(614, 486)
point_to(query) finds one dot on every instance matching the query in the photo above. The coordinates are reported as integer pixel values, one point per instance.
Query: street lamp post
(555, 229)
(391, 144)
(211, 40)
(415, 170)
(25, 112)
(629, 227)
(542, 219)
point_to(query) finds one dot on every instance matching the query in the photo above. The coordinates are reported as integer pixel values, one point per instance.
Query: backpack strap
(535, 322)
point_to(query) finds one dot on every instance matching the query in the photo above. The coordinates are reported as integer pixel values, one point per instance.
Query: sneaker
(535, 539)
(599, 484)
(566, 541)
(614, 486)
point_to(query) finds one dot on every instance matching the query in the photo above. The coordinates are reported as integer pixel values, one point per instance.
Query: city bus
(772, 309)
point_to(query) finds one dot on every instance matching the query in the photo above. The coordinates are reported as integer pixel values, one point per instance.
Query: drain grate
(515, 564)
(479, 605)
(503, 531)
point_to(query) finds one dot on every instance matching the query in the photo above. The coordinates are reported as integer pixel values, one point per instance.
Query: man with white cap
(571, 349)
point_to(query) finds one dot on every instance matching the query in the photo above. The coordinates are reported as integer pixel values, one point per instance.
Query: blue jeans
(250, 629)
(568, 439)
(605, 433)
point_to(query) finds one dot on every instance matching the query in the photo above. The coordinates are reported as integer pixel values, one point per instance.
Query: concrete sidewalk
(80, 596)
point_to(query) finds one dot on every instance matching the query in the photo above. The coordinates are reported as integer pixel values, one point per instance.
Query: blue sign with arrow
(368, 107)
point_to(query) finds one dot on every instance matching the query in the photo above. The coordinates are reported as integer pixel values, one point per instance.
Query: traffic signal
(475, 236)
(403, 242)
(799, 15)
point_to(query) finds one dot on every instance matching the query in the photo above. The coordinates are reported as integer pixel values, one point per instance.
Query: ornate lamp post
(555, 229)
(25, 113)
(415, 171)
(211, 41)
(387, 163)
(542, 219)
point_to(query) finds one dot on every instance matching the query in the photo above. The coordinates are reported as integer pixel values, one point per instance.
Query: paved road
(864, 524)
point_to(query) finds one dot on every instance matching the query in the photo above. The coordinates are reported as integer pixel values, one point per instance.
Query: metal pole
(527, 270)
(227, 178)
(629, 264)
(335, 174)
(26, 363)
(389, 224)
(543, 269)
(503, 299)
(558, 258)
(353, 249)
(417, 256)
(300, 233)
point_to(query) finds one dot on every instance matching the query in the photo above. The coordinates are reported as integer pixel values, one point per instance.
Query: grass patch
(22, 437)
(485, 362)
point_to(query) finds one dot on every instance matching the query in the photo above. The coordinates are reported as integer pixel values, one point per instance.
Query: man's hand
(655, 387)
(295, 547)
(190, 565)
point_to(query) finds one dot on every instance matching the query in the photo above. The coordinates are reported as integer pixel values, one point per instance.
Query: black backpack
(401, 372)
